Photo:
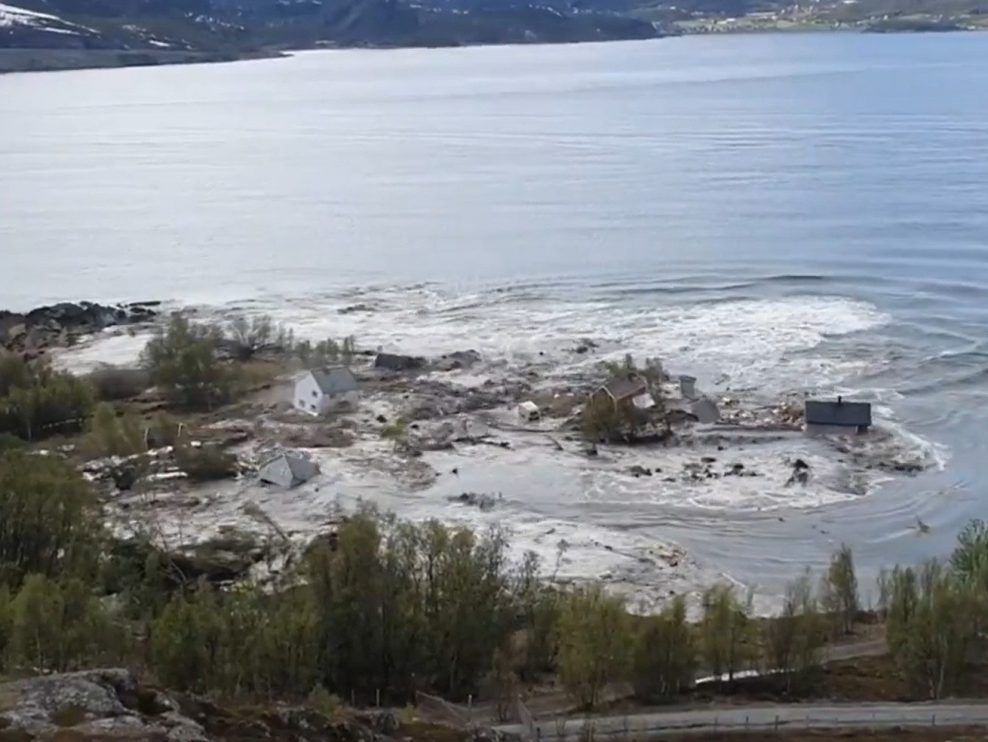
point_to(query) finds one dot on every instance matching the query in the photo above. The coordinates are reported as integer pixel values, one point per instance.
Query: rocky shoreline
(47, 328)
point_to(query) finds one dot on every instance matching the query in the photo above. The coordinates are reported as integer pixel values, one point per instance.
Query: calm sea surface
(779, 213)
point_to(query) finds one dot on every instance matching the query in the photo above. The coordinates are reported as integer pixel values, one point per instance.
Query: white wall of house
(309, 398)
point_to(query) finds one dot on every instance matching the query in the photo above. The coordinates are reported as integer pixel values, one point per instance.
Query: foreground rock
(112, 705)
(62, 324)
(91, 705)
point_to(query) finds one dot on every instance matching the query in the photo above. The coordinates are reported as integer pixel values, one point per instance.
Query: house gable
(307, 395)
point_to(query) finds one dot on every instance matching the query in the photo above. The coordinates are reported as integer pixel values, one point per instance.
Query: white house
(529, 412)
(288, 469)
(322, 390)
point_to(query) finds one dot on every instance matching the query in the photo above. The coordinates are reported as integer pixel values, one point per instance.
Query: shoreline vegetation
(107, 36)
(375, 611)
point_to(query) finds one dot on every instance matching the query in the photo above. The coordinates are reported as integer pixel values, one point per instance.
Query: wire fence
(636, 729)
(440, 710)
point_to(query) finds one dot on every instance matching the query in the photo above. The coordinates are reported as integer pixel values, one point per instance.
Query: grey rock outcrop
(59, 324)
(92, 705)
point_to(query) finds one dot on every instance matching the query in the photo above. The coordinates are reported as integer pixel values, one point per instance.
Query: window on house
(312, 406)
(315, 393)
(301, 403)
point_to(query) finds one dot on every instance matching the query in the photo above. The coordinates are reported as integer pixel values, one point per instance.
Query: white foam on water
(113, 347)
(767, 344)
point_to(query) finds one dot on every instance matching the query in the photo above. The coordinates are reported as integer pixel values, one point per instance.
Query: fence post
(470, 708)
(776, 722)
(933, 720)
(746, 720)
(377, 697)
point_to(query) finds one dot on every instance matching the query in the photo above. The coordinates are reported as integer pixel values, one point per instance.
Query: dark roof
(847, 414)
(302, 469)
(334, 380)
(625, 387)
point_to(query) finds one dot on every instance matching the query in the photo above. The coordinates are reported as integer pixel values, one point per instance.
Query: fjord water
(777, 213)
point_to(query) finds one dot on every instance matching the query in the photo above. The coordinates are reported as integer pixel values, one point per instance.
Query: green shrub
(205, 463)
(183, 364)
(50, 521)
(36, 401)
(114, 384)
(110, 435)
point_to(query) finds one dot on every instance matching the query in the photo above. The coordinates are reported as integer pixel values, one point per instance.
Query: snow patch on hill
(11, 16)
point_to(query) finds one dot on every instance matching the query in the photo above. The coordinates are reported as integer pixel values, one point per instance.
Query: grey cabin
(838, 414)
(288, 469)
(321, 390)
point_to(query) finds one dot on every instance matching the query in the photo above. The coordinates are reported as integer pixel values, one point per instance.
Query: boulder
(396, 362)
(457, 360)
(476, 499)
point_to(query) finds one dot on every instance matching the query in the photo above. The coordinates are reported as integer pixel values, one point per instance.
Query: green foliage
(538, 607)
(114, 384)
(396, 431)
(180, 644)
(793, 639)
(58, 626)
(969, 562)
(664, 654)
(505, 682)
(164, 430)
(36, 401)
(183, 363)
(205, 463)
(601, 420)
(110, 435)
(324, 702)
(839, 591)
(326, 352)
(239, 642)
(4, 626)
(398, 601)
(246, 337)
(594, 643)
(10, 442)
(725, 631)
(49, 519)
(931, 623)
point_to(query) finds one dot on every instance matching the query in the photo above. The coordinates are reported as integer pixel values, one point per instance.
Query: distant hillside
(64, 33)
(49, 34)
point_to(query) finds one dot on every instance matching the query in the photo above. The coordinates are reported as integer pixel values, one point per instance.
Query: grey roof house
(321, 390)
(838, 414)
(288, 469)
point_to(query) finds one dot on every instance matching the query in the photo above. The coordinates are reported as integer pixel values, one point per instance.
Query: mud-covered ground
(467, 458)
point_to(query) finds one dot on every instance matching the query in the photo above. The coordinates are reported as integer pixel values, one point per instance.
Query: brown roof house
(629, 390)
(619, 408)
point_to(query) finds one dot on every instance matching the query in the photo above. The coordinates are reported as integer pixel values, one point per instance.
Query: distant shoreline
(61, 60)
